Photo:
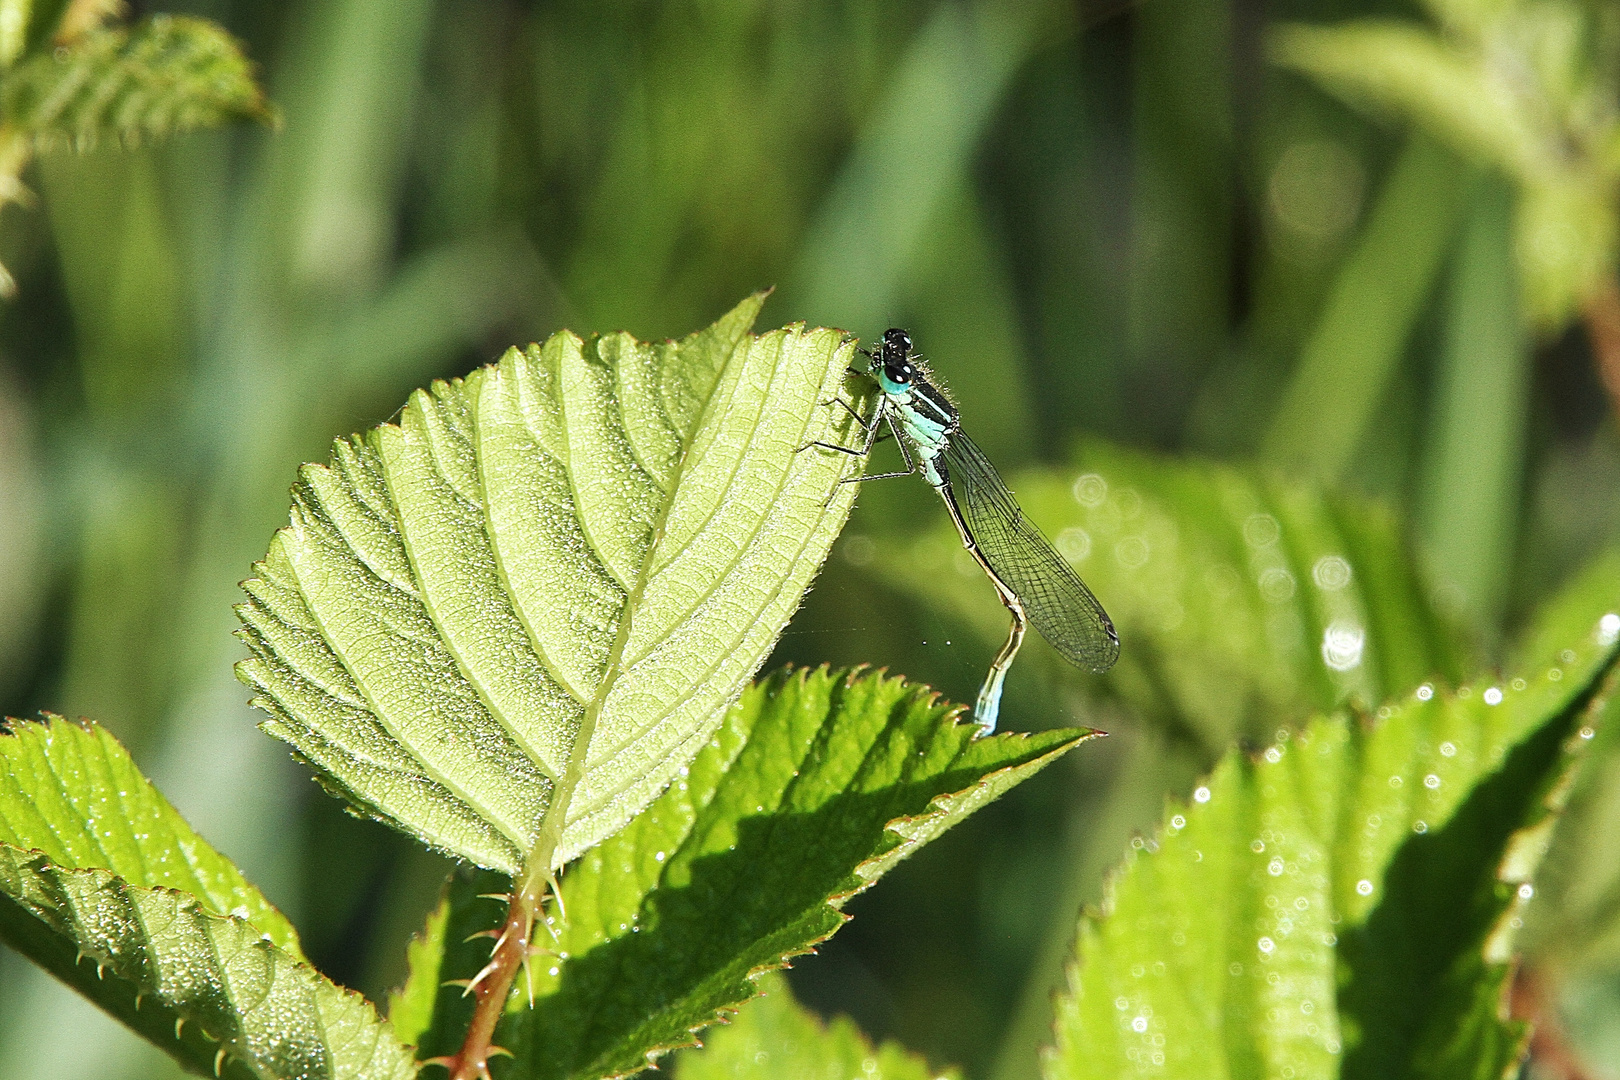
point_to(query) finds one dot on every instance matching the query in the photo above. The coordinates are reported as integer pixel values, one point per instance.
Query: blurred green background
(1110, 227)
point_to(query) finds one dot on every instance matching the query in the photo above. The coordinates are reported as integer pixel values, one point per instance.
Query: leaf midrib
(555, 821)
(721, 655)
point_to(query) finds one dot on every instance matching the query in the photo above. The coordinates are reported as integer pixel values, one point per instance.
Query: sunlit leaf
(1242, 603)
(506, 622)
(1345, 904)
(105, 886)
(166, 74)
(817, 784)
(773, 1037)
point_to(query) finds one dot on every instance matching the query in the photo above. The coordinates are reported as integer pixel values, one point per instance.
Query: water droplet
(1526, 891)
(1587, 733)
(1258, 846)
(1089, 489)
(1331, 572)
(658, 856)
(1395, 781)
(1277, 585)
(1121, 1003)
(1342, 645)
(1447, 749)
(1201, 795)
(1431, 781)
(1074, 544)
(1364, 887)
(1424, 692)
(1608, 629)
(1132, 552)
(1234, 968)
(1260, 530)
(1554, 675)
(1420, 827)
(1139, 1024)
(1274, 755)
(1301, 904)
(1493, 696)
(1275, 868)
(1266, 945)
(1178, 822)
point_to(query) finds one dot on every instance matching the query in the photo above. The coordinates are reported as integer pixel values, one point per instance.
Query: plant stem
(493, 984)
(1602, 311)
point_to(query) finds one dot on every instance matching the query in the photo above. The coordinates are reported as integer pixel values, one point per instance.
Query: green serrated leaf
(410, 1008)
(1345, 904)
(70, 792)
(505, 623)
(105, 886)
(817, 783)
(773, 1037)
(1242, 603)
(166, 74)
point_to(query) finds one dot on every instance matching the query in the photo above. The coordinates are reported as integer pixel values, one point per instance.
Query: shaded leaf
(1344, 371)
(1343, 905)
(1242, 603)
(816, 785)
(1401, 68)
(504, 624)
(773, 1037)
(106, 887)
(166, 74)
(1518, 88)
(1574, 923)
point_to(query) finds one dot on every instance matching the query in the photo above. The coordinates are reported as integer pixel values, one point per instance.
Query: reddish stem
(1602, 311)
(492, 986)
(1549, 1049)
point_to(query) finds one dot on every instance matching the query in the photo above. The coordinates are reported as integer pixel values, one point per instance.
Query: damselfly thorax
(1033, 581)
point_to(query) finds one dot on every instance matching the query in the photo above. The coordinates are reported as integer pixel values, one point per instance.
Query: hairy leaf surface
(816, 784)
(1242, 602)
(1346, 904)
(104, 885)
(773, 1037)
(506, 622)
(166, 74)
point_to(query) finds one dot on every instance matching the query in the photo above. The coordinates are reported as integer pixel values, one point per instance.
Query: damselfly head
(894, 354)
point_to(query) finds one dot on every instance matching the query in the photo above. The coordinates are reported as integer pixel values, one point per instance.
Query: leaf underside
(1345, 904)
(817, 783)
(104, 885)
(1243, 603)
(773, 1037)
(165, 75)
(505, 623)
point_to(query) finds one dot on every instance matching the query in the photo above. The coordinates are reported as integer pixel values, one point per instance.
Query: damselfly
(1034, 582)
